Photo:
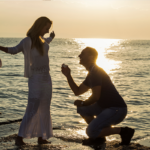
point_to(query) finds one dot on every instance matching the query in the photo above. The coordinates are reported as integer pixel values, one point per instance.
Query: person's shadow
(97, 147)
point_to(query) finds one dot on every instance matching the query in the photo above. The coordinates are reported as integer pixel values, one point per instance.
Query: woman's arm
(50, 38)
(4, 49)
(13, 50)
(52, 35)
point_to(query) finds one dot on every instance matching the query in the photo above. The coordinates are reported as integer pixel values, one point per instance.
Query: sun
(101, 45)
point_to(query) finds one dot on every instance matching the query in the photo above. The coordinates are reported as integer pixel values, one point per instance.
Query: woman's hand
(4, 49)
(0, 63)
(65, 70)
(78, 103)
(52, 34)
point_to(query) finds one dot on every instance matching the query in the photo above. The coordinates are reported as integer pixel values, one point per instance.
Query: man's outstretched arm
(77, 90)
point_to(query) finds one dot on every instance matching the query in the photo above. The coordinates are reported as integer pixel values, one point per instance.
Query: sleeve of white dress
(25, 47)
(27, 54)
(16, 49)
(48, 40)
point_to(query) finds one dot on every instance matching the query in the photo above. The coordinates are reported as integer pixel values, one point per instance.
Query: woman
(37, 119)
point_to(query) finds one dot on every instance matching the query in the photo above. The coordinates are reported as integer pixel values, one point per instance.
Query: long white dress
(37, 119)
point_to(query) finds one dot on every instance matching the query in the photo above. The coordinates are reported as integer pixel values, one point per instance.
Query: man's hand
(52, 34)
(78, 103)
(65, 70)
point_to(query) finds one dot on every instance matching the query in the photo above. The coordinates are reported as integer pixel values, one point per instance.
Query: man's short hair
(92, 52)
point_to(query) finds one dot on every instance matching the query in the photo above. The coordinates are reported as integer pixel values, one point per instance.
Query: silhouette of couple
(105, 102)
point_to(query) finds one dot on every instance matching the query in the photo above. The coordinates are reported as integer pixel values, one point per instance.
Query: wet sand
(60, 143)
(62, 140)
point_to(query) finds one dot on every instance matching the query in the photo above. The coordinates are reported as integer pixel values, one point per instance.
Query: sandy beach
(58, 144)
(61, 140)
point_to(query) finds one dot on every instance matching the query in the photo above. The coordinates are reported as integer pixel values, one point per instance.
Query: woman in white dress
(37, 119)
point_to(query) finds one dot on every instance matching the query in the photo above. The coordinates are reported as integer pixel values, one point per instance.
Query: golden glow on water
(102, 46)
(81, 132)
(82, 121)
(110, 139)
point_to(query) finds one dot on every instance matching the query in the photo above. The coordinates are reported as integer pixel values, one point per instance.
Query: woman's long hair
(34, 33)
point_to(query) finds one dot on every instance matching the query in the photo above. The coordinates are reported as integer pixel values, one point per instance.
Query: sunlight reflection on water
(126, 62)
(81, 132)
(101, 45)
(82, 121)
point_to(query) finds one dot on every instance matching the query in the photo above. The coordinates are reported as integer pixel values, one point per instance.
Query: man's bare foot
(19, 141)
(41, 141)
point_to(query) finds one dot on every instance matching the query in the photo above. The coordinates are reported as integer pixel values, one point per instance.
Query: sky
(112, 19)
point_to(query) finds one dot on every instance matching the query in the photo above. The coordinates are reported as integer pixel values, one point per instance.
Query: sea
(126, 62)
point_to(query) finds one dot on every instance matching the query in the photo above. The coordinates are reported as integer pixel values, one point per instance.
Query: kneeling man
(105, 102)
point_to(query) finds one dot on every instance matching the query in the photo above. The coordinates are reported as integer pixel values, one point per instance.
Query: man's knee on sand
(92, 132)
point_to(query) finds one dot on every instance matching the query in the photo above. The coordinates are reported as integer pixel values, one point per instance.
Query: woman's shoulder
(27, 40)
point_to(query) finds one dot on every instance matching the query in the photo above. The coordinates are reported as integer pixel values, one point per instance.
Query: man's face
(84, 57)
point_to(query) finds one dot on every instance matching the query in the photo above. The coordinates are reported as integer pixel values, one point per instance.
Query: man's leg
(125, 133)
(101, 126)
(109, 131)
(88, 119)
(88, 113)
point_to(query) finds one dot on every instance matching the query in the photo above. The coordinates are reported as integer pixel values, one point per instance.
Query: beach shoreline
(58, 144)
(125, 62)
(61, 140)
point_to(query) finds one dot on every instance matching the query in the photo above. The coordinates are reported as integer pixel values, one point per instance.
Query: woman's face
(45, 29)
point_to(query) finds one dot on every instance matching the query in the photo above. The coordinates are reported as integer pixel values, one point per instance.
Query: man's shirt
(109, 95)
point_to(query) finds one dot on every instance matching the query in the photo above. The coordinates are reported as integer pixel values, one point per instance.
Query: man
(105, 102)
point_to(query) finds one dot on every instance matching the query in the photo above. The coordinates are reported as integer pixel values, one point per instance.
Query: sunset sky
(117, 19)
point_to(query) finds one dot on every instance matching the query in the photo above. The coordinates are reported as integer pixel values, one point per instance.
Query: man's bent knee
(92, 133)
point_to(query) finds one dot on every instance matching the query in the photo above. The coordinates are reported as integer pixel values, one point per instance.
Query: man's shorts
(104, 117)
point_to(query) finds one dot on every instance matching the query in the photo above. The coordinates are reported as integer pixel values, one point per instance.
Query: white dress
(37, 119)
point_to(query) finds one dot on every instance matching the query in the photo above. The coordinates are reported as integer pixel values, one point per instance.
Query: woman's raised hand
(65, 70)
(52, 34)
